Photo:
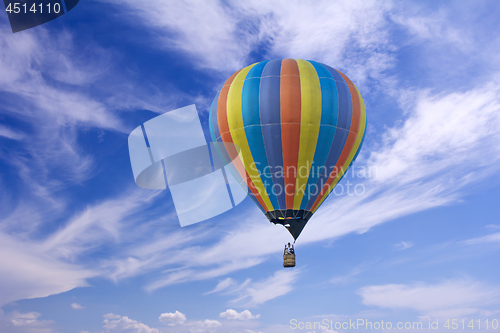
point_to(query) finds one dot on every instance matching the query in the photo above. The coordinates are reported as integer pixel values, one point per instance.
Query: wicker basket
(289, 260)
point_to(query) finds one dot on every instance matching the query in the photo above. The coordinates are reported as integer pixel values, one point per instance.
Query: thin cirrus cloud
(8, 133)
(223, 285)
(324, 32)
(35, 278)
(452, 298)
(403, 245)
(252, 294)
(491, 238)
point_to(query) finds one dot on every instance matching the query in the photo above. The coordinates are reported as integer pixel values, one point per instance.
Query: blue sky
(83, 249)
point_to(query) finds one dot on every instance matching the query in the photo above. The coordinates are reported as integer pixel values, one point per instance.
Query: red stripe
(290, 124)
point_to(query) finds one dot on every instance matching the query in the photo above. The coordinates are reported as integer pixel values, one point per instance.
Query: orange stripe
(224, 125)
(228, 140)
(290, 124)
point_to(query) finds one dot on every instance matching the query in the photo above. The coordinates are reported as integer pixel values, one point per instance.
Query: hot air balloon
(293, 127)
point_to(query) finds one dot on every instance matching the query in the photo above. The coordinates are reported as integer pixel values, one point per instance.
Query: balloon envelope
(298, 125)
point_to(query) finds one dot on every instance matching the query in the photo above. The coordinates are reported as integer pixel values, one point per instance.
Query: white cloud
(38, 276)
(76, 306)
(173, 318)
(350, 34)
(86, 231)
(492, 238)
(252, 294)
(96, 224)
(493, 226)
(403, 245)
(179, 323)
(118, 324)
(221, 286)
(231, 314)
(17, 322)
(459, 297)
(8, 133)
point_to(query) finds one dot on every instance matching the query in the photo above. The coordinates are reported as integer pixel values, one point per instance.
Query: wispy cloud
(462, 297)
(29, 322)
(223, 285)
(492, 238)
(35, 277)
(259, 292)
(8, 133)
(349, 35)
(403, 245)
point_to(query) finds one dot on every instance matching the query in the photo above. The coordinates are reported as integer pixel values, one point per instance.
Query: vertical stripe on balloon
(310, 119)
(329, 117)
(238, 135)
(253, 130)
(290, 125)
(226, 138)
(270, 119)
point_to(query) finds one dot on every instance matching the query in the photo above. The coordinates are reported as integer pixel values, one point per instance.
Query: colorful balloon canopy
(297, 126)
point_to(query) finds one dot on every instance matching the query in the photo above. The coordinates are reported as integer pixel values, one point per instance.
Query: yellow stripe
(235, 122)
(310, 120)
(361, 131)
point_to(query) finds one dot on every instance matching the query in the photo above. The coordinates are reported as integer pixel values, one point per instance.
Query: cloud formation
(173, 318)
(231, 314)
(454, 298)
(117, 323)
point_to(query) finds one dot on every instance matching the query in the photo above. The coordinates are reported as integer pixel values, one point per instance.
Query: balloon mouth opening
(294, 220)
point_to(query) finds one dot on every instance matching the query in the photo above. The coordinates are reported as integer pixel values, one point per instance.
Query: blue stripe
(270, 118)
(250, 96)
(345, 101)
(337, 147)
(252, 124)
(329, 118)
